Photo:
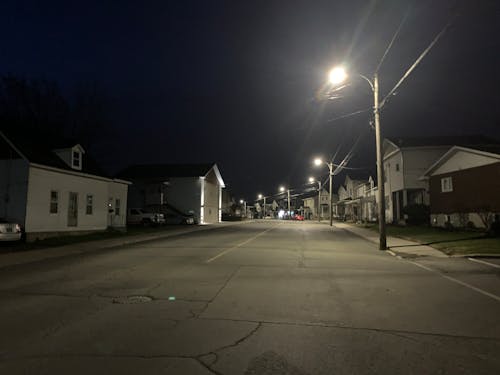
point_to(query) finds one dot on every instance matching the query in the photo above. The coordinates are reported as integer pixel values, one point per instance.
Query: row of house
(61, 190)
(458, 178)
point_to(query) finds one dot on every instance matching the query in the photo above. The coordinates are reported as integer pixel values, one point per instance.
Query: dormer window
(76, 160)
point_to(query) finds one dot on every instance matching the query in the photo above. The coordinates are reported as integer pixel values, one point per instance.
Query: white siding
(118, 191)
(42, 182)
(394, 177)
(464, 160)
(211, 202)
(416, 163)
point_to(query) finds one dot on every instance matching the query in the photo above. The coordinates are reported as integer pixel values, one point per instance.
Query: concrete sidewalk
(36, 255)
(395, 244)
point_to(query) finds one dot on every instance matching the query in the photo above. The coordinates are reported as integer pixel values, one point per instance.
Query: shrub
(418, 214)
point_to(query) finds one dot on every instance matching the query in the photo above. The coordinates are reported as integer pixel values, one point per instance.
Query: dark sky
(237, 82)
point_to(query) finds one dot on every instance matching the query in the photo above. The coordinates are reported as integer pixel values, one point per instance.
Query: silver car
(9, 231)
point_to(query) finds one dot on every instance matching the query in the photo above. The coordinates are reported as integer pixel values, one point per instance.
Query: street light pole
(319, 201)
(289, 212)
(260, 196)
(380, 168)
(264, 208)
(330, 167)
(244, 202)
(336, 76)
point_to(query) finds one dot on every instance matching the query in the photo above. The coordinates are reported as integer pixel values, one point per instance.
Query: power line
(415, 64)
(392, 40)
(349, 115)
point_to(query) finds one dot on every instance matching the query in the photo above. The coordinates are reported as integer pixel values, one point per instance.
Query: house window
(446, 184)
(117, 207)
(397, 167)
(54, 202)
(90, 204)
(77, 160)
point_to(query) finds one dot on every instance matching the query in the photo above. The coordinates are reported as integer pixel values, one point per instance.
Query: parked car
(298, 217)
(139, 216)
(176, 218)
(9, 231)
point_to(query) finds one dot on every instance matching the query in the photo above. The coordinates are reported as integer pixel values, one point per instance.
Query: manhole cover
(132, 299)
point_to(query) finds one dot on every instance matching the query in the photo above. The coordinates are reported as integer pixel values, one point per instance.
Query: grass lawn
(450, 242)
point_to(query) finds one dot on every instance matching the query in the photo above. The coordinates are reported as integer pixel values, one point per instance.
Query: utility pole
(319, 202)
(380, 168)
(289, 212)
(330, 167)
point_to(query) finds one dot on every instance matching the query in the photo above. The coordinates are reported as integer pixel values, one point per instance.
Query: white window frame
(56, 202)
(446, 184)
(76, 162)
(91, 205)
(117, 206)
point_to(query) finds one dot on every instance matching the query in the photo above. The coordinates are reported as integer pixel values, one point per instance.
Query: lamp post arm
(368, 80)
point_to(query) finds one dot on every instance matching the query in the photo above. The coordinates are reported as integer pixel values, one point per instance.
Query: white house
(310, 204)
(57, 191)
(356, 199)
(405, 161)
(194, 189)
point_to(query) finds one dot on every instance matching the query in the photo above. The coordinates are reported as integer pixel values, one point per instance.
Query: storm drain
(132, 299)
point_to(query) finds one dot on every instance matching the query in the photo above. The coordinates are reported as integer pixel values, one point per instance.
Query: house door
(73, 210)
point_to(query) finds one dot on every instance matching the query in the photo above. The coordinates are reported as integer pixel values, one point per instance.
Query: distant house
(464, 186)
(192, 189)
(339, 206)
(310, 204)
(58, 190)
(405, 161)
(356, 199)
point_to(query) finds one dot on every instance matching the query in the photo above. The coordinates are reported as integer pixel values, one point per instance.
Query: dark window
(397, 167)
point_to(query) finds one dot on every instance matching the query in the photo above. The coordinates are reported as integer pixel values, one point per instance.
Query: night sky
(240, 82)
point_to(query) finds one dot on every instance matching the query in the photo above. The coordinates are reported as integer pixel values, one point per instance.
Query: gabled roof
(165, 171)
(489, 151)
(39, 151)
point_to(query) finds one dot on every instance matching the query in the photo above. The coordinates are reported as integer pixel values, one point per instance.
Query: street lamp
(338, 75)
(331, 168)
(312, 180)
(260, 196)
(245, 206)
(282, 189)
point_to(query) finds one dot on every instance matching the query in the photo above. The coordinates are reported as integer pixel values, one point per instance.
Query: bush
(418, 214)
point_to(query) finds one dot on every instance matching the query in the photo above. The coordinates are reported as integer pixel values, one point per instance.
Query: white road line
(484, 262)
(239, 245)
(483, 292)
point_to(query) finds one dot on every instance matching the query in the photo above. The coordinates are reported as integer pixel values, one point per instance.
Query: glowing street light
(331, 168)
(311, 181)
(337, 76)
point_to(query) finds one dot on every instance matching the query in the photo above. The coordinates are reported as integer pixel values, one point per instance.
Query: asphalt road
(259, 298)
